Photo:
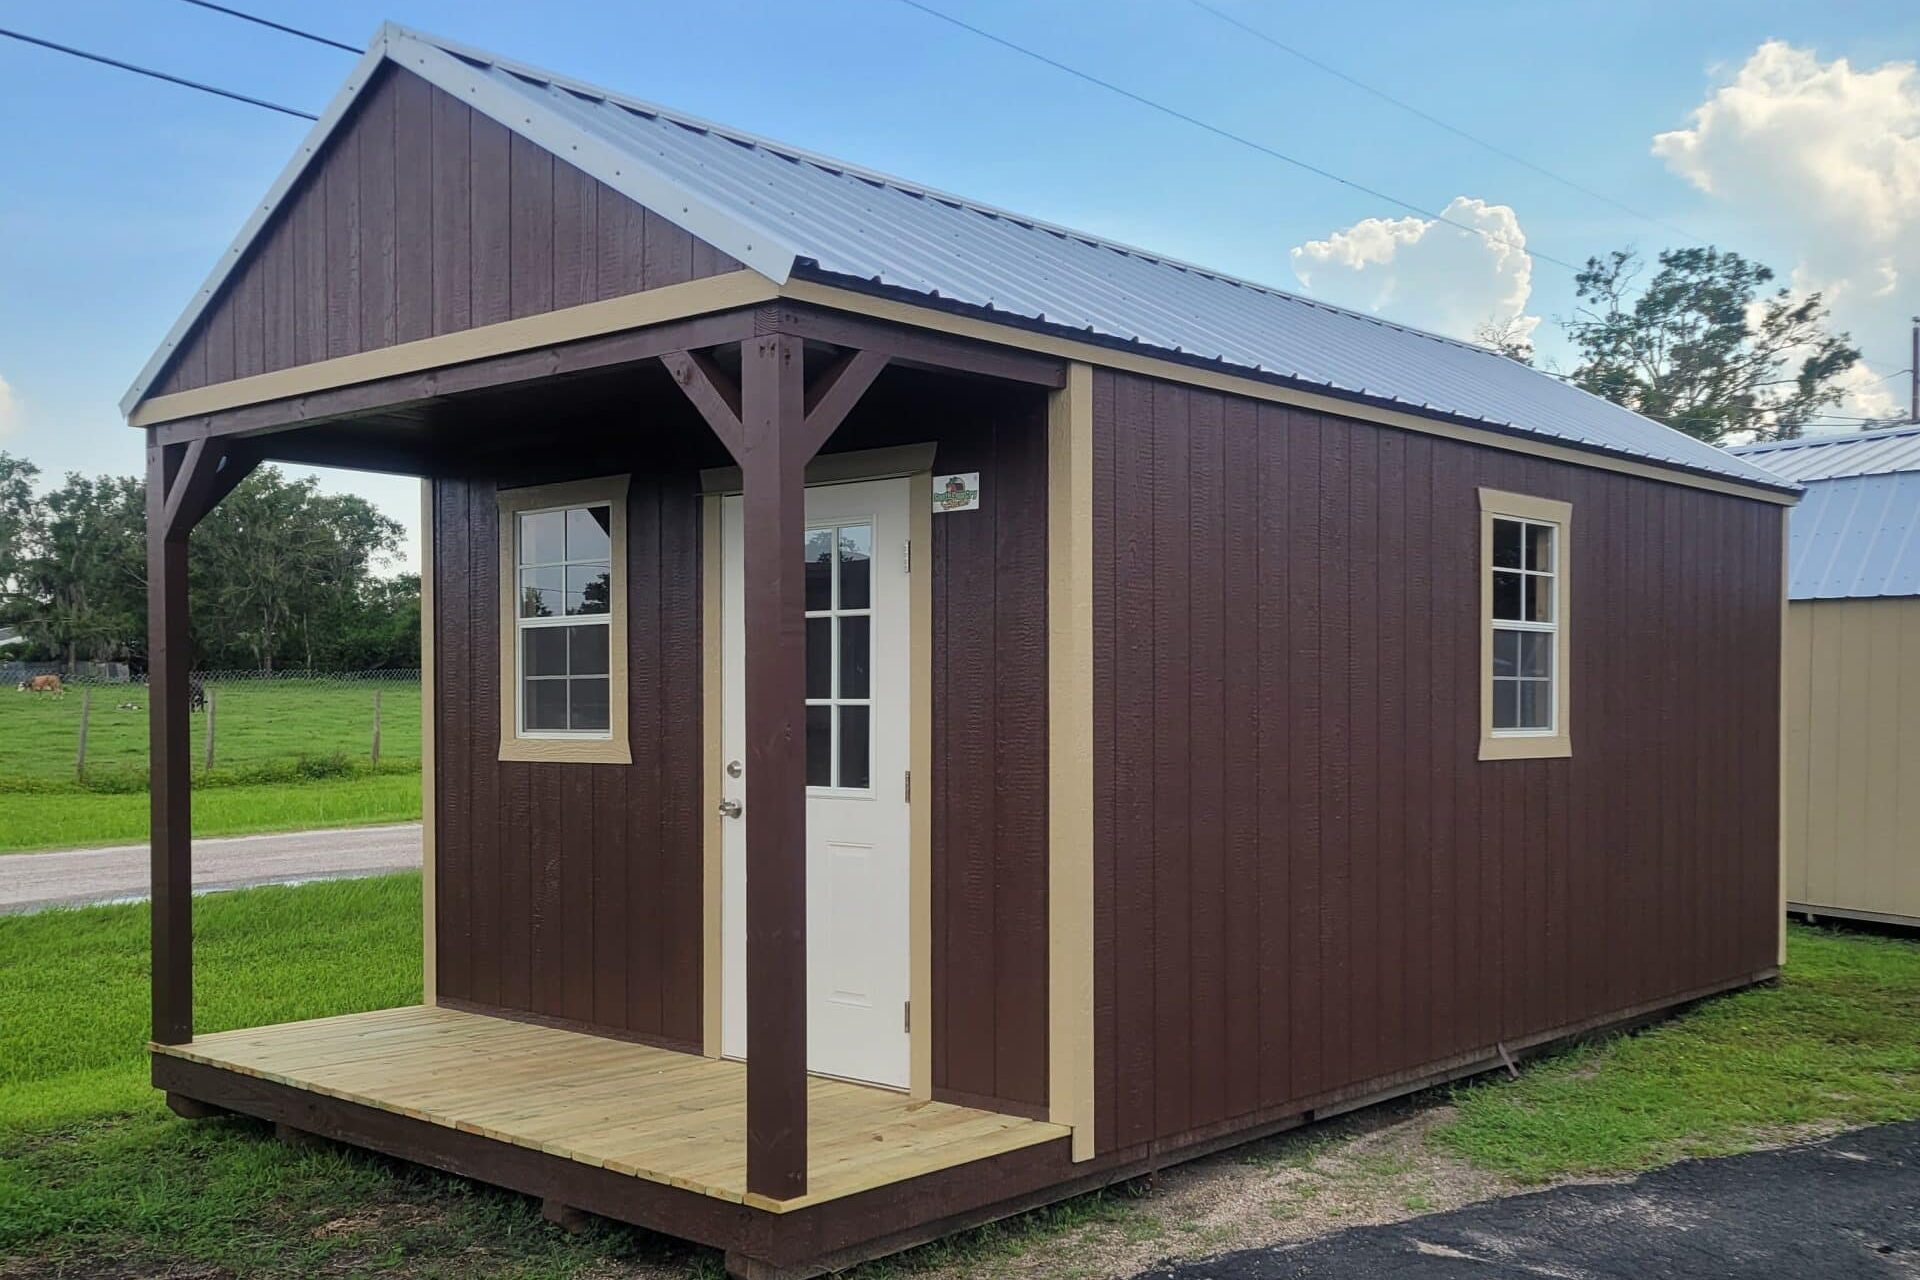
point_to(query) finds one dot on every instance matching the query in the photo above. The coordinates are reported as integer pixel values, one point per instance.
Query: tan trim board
(1172, 371)
(839, 468)
(920, 795)
(1070, 1072)
(1786, 696)
(429, 699)
(569, 324)
(711, 834)
(1528, 746)
(616, 747)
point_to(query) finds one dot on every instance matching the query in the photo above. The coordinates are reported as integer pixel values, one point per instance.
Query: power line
(1438, 123)
(277, 26)
(1228, 134)
(157, 75)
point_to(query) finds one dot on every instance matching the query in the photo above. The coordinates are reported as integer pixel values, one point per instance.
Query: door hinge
(906, 1016)
(906, 789)
(906, 556)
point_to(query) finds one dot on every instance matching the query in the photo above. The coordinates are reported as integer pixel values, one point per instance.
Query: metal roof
(1855, 453)
(1856, 537)
(786, 212)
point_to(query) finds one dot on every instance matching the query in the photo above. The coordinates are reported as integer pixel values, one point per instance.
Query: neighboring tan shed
(1067, 710)
(1852, 688)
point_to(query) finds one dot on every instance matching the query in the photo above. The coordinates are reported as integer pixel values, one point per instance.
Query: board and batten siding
(424, 217)
(1853, 757)
(573, 891)
(1307, 885)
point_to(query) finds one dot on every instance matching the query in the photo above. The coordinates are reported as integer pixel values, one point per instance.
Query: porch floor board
(667, 1117)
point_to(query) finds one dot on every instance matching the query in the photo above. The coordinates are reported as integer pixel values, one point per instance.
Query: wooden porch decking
(668, 1117)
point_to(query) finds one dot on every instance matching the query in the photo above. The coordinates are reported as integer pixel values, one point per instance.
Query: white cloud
(1423, 272)
(9, 410)
(1825, 157)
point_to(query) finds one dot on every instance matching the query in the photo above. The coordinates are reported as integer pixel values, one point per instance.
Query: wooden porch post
(184, 482)
(772, 423)
(773, 458)
(172, 757)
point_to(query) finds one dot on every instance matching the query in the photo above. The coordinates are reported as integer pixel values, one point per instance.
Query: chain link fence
(90, 726)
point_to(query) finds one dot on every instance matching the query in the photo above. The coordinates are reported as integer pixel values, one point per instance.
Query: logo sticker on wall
(956, 493)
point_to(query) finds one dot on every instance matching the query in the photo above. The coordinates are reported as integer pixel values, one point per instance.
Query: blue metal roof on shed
(785, 212)
(1856, 532)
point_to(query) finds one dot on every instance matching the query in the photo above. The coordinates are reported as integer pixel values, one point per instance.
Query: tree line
(280, 575)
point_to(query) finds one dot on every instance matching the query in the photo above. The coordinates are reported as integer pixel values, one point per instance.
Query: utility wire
(1228, 134)
(1438, 123)
(277, 26)
(157, 75)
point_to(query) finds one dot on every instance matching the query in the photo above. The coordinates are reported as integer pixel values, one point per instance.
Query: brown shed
(1064, 709)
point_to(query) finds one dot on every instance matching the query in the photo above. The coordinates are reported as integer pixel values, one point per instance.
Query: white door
(857, 745)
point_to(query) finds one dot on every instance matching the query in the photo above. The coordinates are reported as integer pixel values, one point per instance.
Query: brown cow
(41, 684)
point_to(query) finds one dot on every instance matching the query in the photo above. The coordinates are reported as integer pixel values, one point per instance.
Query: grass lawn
(96, 1177)
(288, 755)
(1835, 1045)
(255, 722)
(61, 820)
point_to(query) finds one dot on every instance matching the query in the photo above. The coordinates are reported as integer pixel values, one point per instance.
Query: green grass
(77, 819)
(1835, 1044)
(288, 754)
(256, 722)
(96, 1177)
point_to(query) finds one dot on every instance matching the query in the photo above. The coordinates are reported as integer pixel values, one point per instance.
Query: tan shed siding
(1853, 756)
(422, 218)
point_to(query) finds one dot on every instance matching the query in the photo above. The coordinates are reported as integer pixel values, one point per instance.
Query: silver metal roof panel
(784, 211)
(1856, 537)
(1856, 453)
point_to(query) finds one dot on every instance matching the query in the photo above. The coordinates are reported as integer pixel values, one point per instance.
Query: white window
(1524, 611)
(563, 622)
(564, 579)
(839, 599)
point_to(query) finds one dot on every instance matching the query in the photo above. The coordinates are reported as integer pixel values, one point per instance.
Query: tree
(1508, 337)
(85, 570)
(275, 564)
(18, 516)
(1702, 347)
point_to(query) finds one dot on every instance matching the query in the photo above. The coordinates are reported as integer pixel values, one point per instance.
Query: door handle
(729, 808)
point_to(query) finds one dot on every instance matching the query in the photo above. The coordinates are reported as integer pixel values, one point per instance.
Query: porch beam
(834, 393)
(917, 348)
(772, 454)
(402, 390)
(711, 391)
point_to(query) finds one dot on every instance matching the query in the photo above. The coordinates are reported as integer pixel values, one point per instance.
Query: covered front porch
(630, 1109)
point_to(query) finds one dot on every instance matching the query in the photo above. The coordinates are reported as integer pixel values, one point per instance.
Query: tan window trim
(1528, 746)
(616, 747)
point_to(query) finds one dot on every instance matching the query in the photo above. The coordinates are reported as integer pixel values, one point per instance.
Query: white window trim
(577, 746)
(1527, 744)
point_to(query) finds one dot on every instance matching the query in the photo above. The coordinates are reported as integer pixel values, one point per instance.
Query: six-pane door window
(839, 589)
(1525, 574)
(564, 576)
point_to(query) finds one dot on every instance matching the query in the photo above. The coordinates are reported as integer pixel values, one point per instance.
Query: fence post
(207, 753)
(376, 727)
(86, 713)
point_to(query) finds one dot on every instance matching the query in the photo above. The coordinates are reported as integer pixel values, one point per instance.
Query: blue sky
(117, 193)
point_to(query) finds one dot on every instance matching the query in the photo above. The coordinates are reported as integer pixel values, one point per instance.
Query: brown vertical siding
(989, 784)
(1307, 880)
(424, 217)
(566, 890)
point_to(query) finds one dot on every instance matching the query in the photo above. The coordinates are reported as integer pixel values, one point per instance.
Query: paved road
(1848, 1207)
(33, 881)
